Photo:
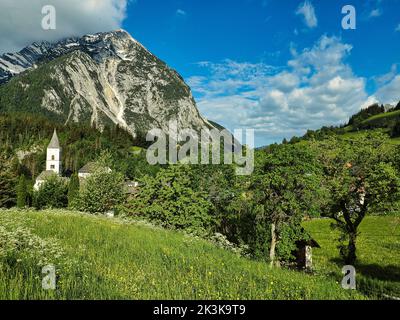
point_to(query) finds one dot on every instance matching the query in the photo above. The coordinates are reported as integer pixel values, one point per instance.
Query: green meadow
(378, 254)
(100, 258)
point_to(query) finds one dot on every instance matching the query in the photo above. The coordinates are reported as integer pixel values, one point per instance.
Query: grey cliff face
(103, 78)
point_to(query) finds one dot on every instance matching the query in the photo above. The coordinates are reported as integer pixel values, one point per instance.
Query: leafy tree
(102, 191)
(169, 199)
(51, 194)
(73, 190)
(360, 179)
(136, 166)
(22, 192)
(284, 189)
(221, 187)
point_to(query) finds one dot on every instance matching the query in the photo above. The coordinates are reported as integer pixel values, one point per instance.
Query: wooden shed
(304, 253)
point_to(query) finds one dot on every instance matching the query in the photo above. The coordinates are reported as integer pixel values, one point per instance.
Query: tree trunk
(273, 245)
(351, 254)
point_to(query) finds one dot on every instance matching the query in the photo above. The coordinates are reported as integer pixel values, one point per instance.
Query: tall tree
(7, 183)
(284, 189)
(361, 179)
(22, 192)
(73, 190)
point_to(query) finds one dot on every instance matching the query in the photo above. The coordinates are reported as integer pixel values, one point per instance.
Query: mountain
(101, 79)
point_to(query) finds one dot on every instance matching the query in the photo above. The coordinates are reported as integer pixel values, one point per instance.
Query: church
(54, 168)
(53, 161)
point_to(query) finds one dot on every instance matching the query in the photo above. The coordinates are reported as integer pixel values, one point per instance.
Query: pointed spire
(54, 143)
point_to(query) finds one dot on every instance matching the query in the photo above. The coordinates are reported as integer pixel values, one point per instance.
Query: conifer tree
(7, 184)
(22, 192)
(73, 190)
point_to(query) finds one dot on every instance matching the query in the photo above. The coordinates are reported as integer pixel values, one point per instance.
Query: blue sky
(277, 66)
(186, 31)
(235, 56)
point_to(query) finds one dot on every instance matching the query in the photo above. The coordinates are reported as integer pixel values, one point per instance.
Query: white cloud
(20, 21)
(371, 9)
(390, 93)
(369, 102)
(181, 12)
(375, 13)
(388, 86)
(307, 10)
(314, 89)
(386, 78)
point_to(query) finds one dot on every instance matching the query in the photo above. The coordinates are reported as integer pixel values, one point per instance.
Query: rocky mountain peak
(101, 79)
(99, 46)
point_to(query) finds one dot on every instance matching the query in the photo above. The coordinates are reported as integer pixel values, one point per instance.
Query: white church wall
(53, 162)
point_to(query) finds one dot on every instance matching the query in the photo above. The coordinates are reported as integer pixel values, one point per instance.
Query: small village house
(304, 253)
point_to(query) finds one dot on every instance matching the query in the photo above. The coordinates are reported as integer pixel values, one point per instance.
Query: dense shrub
(51, 194)
(170, 200)
(101, 192)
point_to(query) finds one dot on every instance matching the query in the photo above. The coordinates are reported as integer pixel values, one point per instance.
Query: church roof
(91, 167)
(54, 143)
(45, 175)
(88, 168)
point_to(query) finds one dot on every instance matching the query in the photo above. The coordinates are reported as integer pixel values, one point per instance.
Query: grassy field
(378, 266)
(98, 258)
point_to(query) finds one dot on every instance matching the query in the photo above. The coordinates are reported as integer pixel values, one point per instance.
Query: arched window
(53, 157)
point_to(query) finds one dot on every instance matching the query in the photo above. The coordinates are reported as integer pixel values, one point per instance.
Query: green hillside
(110, 259)
(386, 116)
(372, 119)
(386, 121)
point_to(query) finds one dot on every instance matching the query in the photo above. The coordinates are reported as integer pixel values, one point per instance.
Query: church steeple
(54, 143)
(53, 160)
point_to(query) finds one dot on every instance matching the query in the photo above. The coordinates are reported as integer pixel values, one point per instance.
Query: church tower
(53, 160)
